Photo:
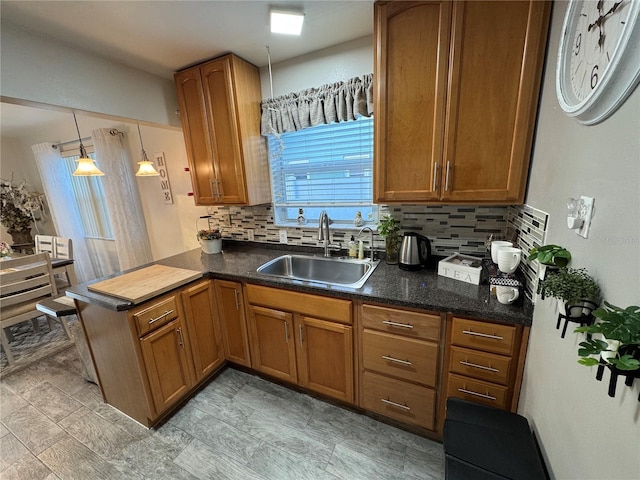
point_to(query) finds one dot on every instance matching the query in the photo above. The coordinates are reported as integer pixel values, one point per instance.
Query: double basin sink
(340, 271)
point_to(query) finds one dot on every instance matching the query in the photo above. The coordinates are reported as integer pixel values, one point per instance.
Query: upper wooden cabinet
(456, 94)
(220, 111)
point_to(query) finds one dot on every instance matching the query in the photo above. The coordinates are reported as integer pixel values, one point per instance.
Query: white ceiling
(161, 37)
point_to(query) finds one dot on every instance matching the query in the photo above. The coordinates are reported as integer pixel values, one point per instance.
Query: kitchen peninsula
(153, 354)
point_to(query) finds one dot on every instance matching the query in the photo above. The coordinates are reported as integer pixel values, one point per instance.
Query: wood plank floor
(54, 425)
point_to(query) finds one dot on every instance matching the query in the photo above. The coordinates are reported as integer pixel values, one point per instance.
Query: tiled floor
(55, 426)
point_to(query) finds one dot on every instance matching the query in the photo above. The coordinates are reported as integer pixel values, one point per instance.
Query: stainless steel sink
(331, 271)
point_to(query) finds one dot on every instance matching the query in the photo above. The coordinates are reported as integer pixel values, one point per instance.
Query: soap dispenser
(353, 248)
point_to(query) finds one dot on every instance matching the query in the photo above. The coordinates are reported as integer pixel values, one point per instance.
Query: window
(89, 193)
(327, 167)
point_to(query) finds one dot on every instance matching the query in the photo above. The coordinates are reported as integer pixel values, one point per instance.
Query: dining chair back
(63, 248)
(24, 281)
(45, 243)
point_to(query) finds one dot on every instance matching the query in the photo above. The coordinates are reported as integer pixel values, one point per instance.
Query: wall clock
(598, 58)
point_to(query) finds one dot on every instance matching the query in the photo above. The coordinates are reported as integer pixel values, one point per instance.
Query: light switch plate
(586, 211)
(283, 236)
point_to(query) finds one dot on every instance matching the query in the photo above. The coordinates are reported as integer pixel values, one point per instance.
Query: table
(26, 248)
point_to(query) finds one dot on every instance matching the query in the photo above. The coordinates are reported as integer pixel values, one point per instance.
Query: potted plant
(552, 255)
(578, 291)
(210, 240)
(389, 228)
(18, 208)
(620, 343)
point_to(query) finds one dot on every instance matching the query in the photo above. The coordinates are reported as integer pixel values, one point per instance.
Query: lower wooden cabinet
(315, 353)
(201, 316)
(167, 364)
(233, 323)
(149, 358)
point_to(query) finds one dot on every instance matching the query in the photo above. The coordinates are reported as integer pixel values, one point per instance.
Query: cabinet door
(219, 93)
(195, 128)
(167, 363)
(496, 63)
(233, 322)
(273, 343)
(411, 54)
(325, 357)
(201, 317)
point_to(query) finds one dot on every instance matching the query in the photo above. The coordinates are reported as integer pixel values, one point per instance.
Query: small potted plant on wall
(620, 343)
(553, 256)
(210, 240)
(389, 228)
(574, 287)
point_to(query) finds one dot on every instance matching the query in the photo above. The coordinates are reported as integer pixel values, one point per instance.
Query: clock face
(598, 59)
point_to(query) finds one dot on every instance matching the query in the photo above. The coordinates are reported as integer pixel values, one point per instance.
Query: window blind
(323, 167)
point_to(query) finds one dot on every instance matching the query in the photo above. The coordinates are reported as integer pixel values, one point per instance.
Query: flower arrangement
(5, 249)
(18, 205)
(209, 234)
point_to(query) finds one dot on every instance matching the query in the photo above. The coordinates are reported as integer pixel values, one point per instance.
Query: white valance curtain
(63, 206)
(337, 102)
(123, 199)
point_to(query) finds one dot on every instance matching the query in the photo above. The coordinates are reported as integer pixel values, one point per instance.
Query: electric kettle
(414, 251)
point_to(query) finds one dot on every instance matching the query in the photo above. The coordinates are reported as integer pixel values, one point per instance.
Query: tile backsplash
(450, 228)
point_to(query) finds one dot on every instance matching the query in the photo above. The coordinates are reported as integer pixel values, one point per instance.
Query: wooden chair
(44, 243)
(24, 282)
(63, 249)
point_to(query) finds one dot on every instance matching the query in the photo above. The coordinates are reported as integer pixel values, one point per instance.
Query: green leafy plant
(388, 226)
(571, 285)
(553, 255)
(614, 323)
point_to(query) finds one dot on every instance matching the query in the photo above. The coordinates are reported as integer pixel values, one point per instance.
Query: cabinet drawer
(155, 315)
(413, 324)
(482, 365)
(407, 358)
(400, 400)
(490, 337)
(477, 391)
(312, 305)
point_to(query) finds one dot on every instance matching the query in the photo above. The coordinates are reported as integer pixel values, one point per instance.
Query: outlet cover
(586, 211)
(226, 219)
(250, 235)
(283, 236)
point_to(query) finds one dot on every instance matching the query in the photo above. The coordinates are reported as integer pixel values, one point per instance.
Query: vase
(392, 245)
(21, 236)
(211, 246)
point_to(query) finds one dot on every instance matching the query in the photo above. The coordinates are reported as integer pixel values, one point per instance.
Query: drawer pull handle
(394, 404)
(471, 392)
(396, 324)
(475, 365)
(154, 320)
(396, 360)
(485, 335)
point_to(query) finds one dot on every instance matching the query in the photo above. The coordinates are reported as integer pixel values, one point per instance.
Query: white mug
(508, 259)
(506, 294)
(495, 245)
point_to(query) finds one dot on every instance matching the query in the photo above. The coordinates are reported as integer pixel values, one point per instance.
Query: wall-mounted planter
(580, 313)
(630, 376)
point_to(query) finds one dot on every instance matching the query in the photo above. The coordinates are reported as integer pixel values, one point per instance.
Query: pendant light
(146, 166)
(86, 166)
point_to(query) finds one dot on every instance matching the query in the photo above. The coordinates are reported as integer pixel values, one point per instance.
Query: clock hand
(601, 18)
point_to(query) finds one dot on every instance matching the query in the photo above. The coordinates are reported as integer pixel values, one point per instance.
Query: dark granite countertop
(423, 289)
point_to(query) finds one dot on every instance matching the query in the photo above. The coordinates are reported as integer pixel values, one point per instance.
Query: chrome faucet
(323, 231)
(372, 250)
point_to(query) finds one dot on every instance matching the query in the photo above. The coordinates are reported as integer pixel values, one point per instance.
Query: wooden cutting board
(145, 283)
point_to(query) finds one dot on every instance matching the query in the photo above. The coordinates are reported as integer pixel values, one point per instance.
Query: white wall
(330, 65)
(584, 433)
(43, 70)
(171, 228)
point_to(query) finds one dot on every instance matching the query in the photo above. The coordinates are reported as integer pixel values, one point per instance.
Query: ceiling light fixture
(86, 166)
(287, 22)
(146, 166)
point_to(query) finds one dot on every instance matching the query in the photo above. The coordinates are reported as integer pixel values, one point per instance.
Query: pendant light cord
(144, 154)
(270, 74)
(83, 152)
